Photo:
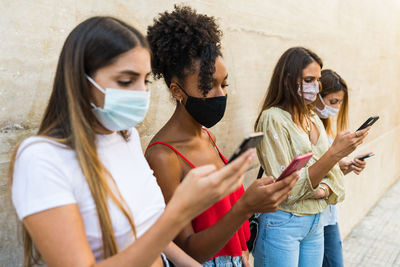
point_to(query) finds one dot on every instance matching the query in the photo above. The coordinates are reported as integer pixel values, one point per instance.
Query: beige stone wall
(359, 39)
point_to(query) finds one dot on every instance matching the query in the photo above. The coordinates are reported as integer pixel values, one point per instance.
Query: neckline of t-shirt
(103, 140)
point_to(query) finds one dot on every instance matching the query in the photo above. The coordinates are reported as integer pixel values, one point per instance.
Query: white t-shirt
(47, 175)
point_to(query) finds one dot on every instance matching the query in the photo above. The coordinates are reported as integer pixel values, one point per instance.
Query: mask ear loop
(95, 84)
(182, 89)
(97, 87)
(322, 100)
(180, 100)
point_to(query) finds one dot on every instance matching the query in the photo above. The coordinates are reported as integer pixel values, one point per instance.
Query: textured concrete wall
(359, 39)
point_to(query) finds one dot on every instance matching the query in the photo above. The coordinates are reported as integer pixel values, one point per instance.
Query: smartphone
(297, 164)
(249, 142)
(367, 156)
(369, 122)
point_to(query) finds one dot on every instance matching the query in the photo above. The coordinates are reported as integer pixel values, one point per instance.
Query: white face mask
(310, 91)
(123, 109)
(327, 111)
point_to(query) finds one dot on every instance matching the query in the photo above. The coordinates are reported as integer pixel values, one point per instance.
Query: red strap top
(237, 243)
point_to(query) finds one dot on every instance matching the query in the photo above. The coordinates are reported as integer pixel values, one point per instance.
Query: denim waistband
(224, 261)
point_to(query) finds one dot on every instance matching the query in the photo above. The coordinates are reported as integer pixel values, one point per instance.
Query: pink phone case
(297, 164)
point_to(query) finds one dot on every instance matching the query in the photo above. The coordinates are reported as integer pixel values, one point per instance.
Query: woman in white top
(333, 101)
(82, 188)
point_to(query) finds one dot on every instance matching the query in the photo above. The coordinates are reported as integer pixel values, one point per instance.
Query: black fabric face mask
(206, 111)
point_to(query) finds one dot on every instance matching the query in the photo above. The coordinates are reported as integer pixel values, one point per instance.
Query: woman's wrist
(242, 209)
(177, 214)
(325, 189)
(333, 155)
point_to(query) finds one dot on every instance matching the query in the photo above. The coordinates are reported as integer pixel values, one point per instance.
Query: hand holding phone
(366, 156)
(359, 164)
(297, 164)
(250, 142)
(346, 142)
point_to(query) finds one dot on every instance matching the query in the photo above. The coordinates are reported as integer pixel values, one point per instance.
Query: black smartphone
(367, 156)
(369, 122)
(249, 142)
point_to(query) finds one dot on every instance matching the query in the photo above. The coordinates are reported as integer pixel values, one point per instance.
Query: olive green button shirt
(283, 141)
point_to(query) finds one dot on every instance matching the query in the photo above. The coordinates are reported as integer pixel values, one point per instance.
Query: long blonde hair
(331, 82)
(68, 119)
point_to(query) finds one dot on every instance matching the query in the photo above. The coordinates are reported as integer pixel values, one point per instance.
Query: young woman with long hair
(293, 236)
(333, 100)
(81, 186)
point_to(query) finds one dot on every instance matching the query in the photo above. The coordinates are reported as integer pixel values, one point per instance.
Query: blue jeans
(333, 256)
(224, 261)
(287, 240)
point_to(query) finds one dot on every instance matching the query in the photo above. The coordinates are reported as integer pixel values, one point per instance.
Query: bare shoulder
(166, 167)
(211, 134)
(160, 156)
(55, 230)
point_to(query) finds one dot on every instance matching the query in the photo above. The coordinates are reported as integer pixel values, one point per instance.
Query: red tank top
(237, 243)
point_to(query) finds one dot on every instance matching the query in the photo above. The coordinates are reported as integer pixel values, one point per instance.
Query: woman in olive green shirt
(293, 236)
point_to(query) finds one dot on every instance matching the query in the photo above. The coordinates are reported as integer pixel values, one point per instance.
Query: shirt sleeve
(337, 190)
(274, 153)
(334, 178)
(39, 180)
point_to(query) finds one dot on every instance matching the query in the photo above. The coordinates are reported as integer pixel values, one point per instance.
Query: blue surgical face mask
(123, 109)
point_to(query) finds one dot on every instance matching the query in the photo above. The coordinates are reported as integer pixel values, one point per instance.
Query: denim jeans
(287, 240)
(333, 256)
(224, 261)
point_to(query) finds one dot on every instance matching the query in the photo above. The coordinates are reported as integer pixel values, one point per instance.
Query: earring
(180, 101)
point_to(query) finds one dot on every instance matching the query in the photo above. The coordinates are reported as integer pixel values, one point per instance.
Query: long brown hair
(282, 89)
(93, 44)
(331, 83)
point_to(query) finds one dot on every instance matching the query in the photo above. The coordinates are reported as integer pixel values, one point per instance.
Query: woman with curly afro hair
(186, 53)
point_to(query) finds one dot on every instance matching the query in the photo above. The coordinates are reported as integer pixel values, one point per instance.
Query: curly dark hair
(180, 37)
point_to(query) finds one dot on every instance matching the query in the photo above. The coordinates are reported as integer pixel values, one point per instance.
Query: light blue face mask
(123, 109)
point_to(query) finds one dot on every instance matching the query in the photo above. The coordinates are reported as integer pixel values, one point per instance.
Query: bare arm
(179, 257)
(203, 245)
(54, 230)
(59, 233)
(263, 196)
(344, 143)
